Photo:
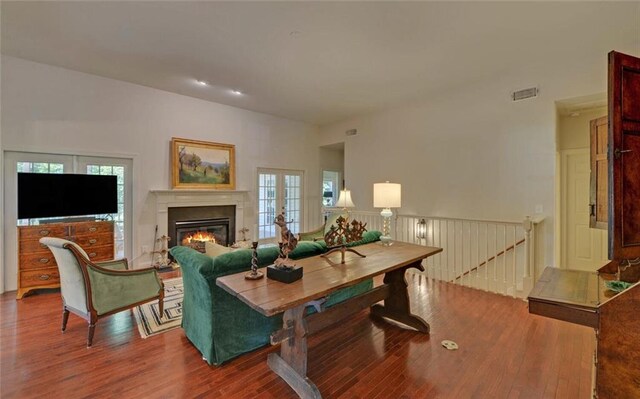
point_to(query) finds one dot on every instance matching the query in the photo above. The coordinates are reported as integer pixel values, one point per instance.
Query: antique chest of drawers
(37, 267)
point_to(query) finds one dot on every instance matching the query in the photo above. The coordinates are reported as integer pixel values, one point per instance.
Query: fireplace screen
(194, 233)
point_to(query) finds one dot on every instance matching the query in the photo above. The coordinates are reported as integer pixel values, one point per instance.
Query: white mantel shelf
(198, 191)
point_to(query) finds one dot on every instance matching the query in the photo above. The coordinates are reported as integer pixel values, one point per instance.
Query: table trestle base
(291, 364)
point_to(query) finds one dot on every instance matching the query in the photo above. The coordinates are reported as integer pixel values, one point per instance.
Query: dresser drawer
(37, 260)
(97, 254)
(29, 247)
(32, 278)
(37, 232)
(92, 228)
(93, 240)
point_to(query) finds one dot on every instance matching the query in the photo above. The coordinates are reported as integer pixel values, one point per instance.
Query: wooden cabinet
(37, 267)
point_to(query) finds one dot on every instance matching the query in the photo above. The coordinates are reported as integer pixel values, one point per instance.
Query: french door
(15, 162)
(279, 189)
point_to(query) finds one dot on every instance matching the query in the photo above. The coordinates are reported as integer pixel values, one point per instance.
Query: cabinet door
(598, 201)
(624, 156)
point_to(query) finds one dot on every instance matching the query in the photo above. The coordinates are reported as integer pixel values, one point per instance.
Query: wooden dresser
(37, 267)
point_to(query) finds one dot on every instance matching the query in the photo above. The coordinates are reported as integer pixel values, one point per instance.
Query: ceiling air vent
(524, 94)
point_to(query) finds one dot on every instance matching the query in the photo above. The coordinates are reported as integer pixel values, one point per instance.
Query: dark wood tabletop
(322, 276)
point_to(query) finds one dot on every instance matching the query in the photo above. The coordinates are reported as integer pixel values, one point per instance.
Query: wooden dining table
(322, 277)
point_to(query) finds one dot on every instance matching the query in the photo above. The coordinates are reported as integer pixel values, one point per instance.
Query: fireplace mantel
(166, 199)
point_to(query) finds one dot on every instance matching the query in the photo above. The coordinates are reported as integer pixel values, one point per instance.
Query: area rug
(148, 315)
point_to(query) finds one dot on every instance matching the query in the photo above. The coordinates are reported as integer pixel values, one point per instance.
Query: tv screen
(44, 195)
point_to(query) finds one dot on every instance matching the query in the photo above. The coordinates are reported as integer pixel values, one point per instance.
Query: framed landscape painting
(202, 164)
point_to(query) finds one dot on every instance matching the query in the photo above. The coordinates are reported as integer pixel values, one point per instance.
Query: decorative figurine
(244, 232)
(162, 262)
(287, 243)
(345, 233)
(284, 269)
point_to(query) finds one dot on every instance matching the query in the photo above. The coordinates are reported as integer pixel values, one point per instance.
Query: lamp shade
(387, 195)
(344, 200)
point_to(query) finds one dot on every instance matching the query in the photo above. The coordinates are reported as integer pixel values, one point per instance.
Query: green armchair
(318, 234)
(94, 290)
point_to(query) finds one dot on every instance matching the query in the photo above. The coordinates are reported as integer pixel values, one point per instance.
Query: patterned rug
(148, 315)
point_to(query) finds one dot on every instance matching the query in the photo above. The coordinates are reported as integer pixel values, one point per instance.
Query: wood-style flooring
(504, 353)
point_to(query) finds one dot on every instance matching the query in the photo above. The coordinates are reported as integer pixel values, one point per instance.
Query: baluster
(513, 261)
(477, 262)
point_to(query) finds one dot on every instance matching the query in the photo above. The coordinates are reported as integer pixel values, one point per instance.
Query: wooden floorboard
(504, 353)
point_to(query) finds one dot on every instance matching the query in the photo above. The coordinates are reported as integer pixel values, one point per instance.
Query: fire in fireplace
(194, 233)
(193, 226)
(200, 236)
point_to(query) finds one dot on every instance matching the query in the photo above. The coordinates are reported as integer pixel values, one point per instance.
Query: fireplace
(194, 225)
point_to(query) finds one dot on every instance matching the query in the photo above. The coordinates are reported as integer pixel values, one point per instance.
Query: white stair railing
(495, 256)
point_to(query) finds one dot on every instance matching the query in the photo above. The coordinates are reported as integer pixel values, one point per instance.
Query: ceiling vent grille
(524, 94)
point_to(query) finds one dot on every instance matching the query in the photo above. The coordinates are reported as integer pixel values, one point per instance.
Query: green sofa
(218, 324)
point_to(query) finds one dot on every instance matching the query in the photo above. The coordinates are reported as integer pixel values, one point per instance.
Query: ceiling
(318, 62)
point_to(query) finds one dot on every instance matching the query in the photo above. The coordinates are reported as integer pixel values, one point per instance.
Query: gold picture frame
(202, 164)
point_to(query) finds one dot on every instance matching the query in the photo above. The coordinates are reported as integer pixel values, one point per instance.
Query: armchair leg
(92, 328)
(93, 319)
(65, 318)
(161, 306)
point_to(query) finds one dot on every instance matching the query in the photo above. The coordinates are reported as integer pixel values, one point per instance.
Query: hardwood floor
(504, 353)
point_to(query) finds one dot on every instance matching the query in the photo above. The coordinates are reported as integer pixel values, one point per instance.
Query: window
(37, 167)
(330, 188)
(279, 189)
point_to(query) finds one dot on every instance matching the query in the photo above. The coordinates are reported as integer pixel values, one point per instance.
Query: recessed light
(237, 92)
(202, 82)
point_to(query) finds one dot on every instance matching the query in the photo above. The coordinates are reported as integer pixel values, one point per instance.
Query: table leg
(291, 364)
(396, 305)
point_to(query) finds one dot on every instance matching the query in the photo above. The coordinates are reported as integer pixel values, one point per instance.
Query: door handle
(592, 209)
(618, 152)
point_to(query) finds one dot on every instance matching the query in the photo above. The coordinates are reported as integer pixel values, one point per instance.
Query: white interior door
(582, 247)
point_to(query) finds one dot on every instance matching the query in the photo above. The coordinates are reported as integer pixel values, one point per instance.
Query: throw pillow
(213, 249)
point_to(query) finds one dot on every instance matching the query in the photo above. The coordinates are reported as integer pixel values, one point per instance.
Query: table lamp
(386, 195)
(344, 200)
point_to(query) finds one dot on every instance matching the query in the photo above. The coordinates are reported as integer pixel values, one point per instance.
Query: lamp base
(386, 241)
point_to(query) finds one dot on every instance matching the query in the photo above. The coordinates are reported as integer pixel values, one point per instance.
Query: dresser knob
(44, 260)
(44, 277)
(93, 241)
(92, 255)
(93, 229)
(44, 232)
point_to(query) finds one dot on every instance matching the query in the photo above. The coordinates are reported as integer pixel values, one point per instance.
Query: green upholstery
(318, 234)
(111, 291)
(218, 324)
(111, 285)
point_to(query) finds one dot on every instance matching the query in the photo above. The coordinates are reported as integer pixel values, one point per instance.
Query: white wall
(574, 131)
(470, 152)
(50, 109)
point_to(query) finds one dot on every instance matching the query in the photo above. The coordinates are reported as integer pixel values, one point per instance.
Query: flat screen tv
(45, 195)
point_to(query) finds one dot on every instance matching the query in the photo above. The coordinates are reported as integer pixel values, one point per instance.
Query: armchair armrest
(115, 289)
(116, 264)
